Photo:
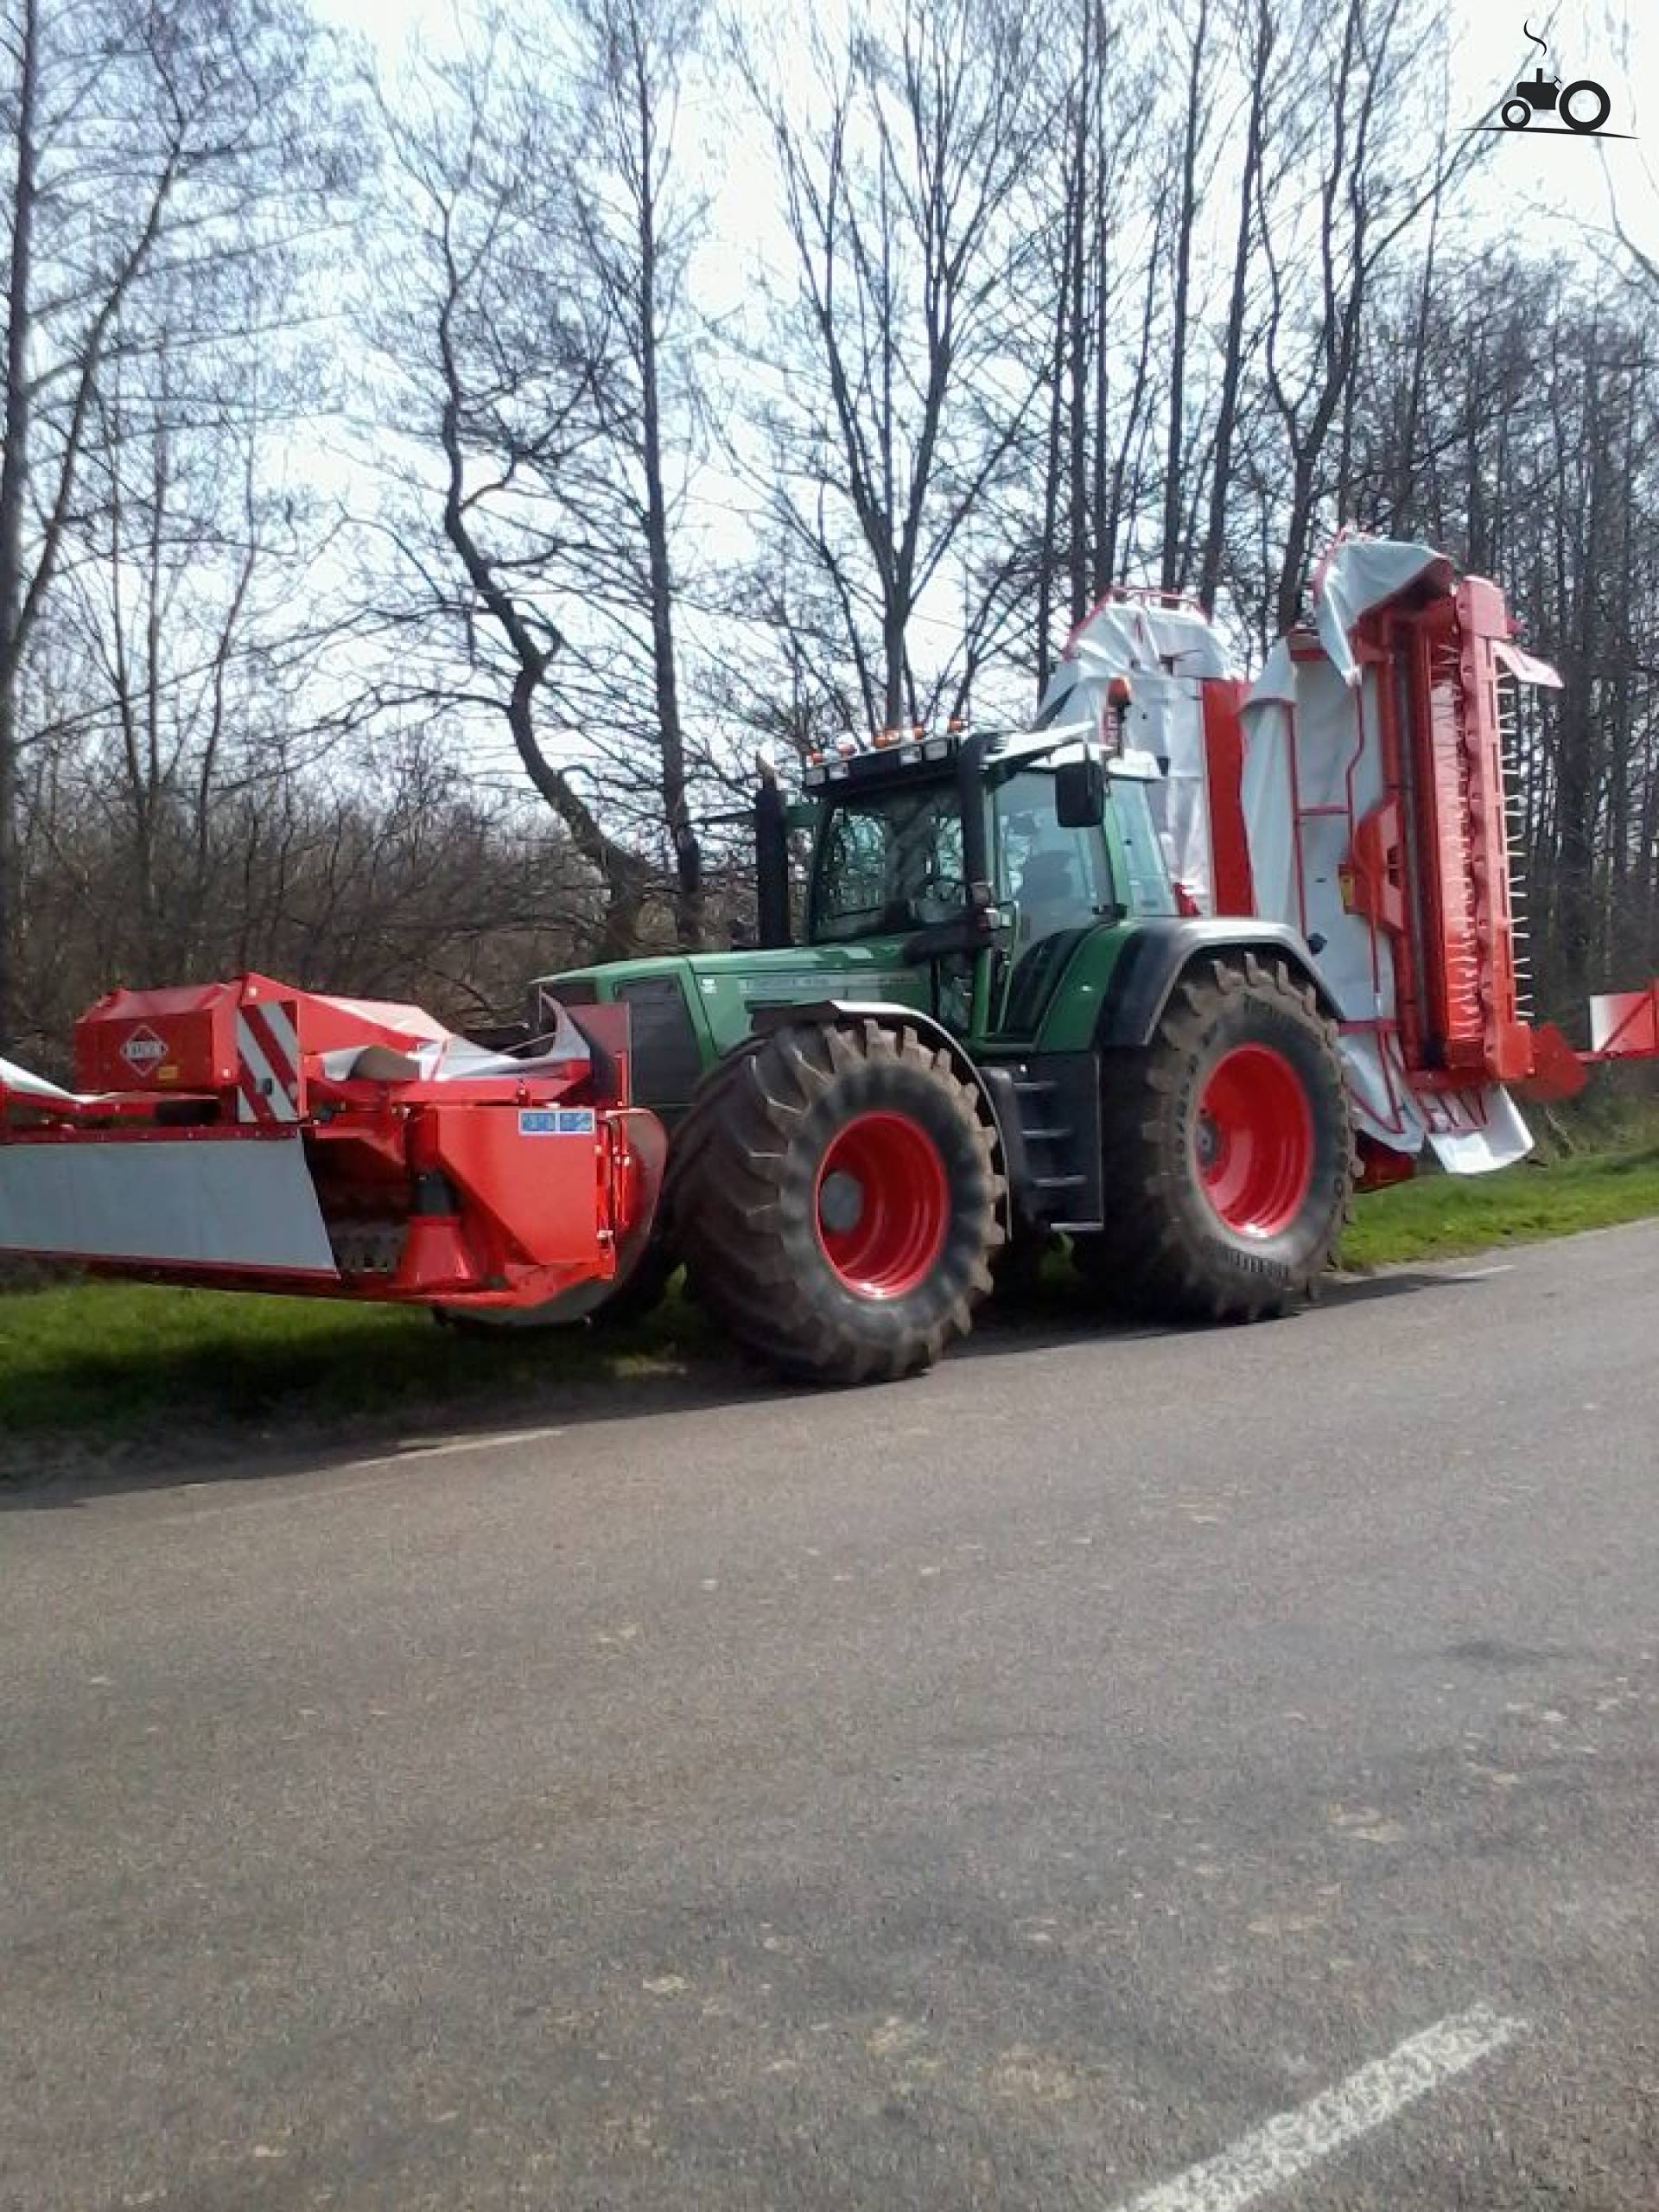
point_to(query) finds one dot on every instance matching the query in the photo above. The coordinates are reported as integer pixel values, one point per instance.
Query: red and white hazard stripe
(267, 1062)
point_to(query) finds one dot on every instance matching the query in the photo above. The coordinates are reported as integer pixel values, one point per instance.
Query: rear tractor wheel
(834, 1195)
(1228, 1151)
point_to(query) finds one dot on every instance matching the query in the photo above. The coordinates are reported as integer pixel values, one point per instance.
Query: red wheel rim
(882, 1205)
(1255, 1141)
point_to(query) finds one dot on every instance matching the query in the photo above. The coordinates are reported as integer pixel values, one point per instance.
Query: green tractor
(997, 1023)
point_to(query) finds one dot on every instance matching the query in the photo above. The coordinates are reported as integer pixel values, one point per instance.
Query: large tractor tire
(834, 1193)
(1228, 1151)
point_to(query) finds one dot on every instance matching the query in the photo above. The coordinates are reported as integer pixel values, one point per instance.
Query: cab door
(887, 870)
(1054, 885)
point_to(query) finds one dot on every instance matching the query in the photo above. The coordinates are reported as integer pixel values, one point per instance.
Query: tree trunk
(688, 853)
(894, 622)
(1172, 565)
(1076, 539)
(623, 872)
(1047, 550)
(1232, 359)
(1298, 530)
(13, 493)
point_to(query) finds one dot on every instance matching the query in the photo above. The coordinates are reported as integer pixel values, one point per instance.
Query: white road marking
(441, 1447)
(320, 1484)
(1480, 1274)
(1272, 2155)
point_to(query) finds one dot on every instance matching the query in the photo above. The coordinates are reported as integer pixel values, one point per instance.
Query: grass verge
(1437, 1217)
(129, 1366)
(91, 1367)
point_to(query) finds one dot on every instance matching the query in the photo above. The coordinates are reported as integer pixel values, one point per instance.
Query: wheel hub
(883, 1205)
(1253, 1141)
(840, 1202)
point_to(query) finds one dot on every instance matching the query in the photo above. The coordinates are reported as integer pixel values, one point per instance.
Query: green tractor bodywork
(1011, 898)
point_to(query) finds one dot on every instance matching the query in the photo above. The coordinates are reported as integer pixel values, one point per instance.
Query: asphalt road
(1007, 1790)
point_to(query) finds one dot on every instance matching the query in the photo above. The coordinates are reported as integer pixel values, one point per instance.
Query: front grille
(666, 1061)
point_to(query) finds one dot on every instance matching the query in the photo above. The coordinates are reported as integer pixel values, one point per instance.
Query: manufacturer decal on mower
(143, 1051)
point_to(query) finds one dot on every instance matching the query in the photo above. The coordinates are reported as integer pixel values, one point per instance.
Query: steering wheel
(939, 899)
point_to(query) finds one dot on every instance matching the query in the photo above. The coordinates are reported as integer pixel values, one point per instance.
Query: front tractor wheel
(1228, 1151)
(835, 1196)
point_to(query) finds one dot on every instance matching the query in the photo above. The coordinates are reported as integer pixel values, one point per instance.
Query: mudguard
(766, 1019)
(1156, 955)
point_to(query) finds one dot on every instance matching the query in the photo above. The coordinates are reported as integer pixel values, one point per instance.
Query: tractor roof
(921, 755)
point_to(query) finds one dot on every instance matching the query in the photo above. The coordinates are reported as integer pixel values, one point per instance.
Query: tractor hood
(710, 975)
(688, 1009)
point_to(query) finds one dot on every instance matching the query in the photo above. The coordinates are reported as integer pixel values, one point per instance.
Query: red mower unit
(1362, 792)
(254, 1136)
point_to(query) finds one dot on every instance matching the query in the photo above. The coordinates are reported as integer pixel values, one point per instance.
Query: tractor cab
(987, 881)
(981, 862)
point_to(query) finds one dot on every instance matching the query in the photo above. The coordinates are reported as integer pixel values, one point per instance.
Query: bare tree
(542, 343)
(185, 597)
(1255, 31)
(1352, 185)
(137, 137)
(899, 361)
(638, 226)
(493, 357)
(1187, 186)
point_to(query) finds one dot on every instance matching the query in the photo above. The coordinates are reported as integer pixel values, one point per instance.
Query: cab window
(1058, 878)
(890, 861)
(1143, 866)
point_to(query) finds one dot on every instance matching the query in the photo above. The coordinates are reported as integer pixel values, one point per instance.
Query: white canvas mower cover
(1356, 791)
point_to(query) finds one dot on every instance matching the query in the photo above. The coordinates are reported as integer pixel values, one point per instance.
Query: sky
(1555, 192)
(1570, 186)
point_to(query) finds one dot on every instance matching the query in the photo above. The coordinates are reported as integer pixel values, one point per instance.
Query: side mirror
(1080, 794)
